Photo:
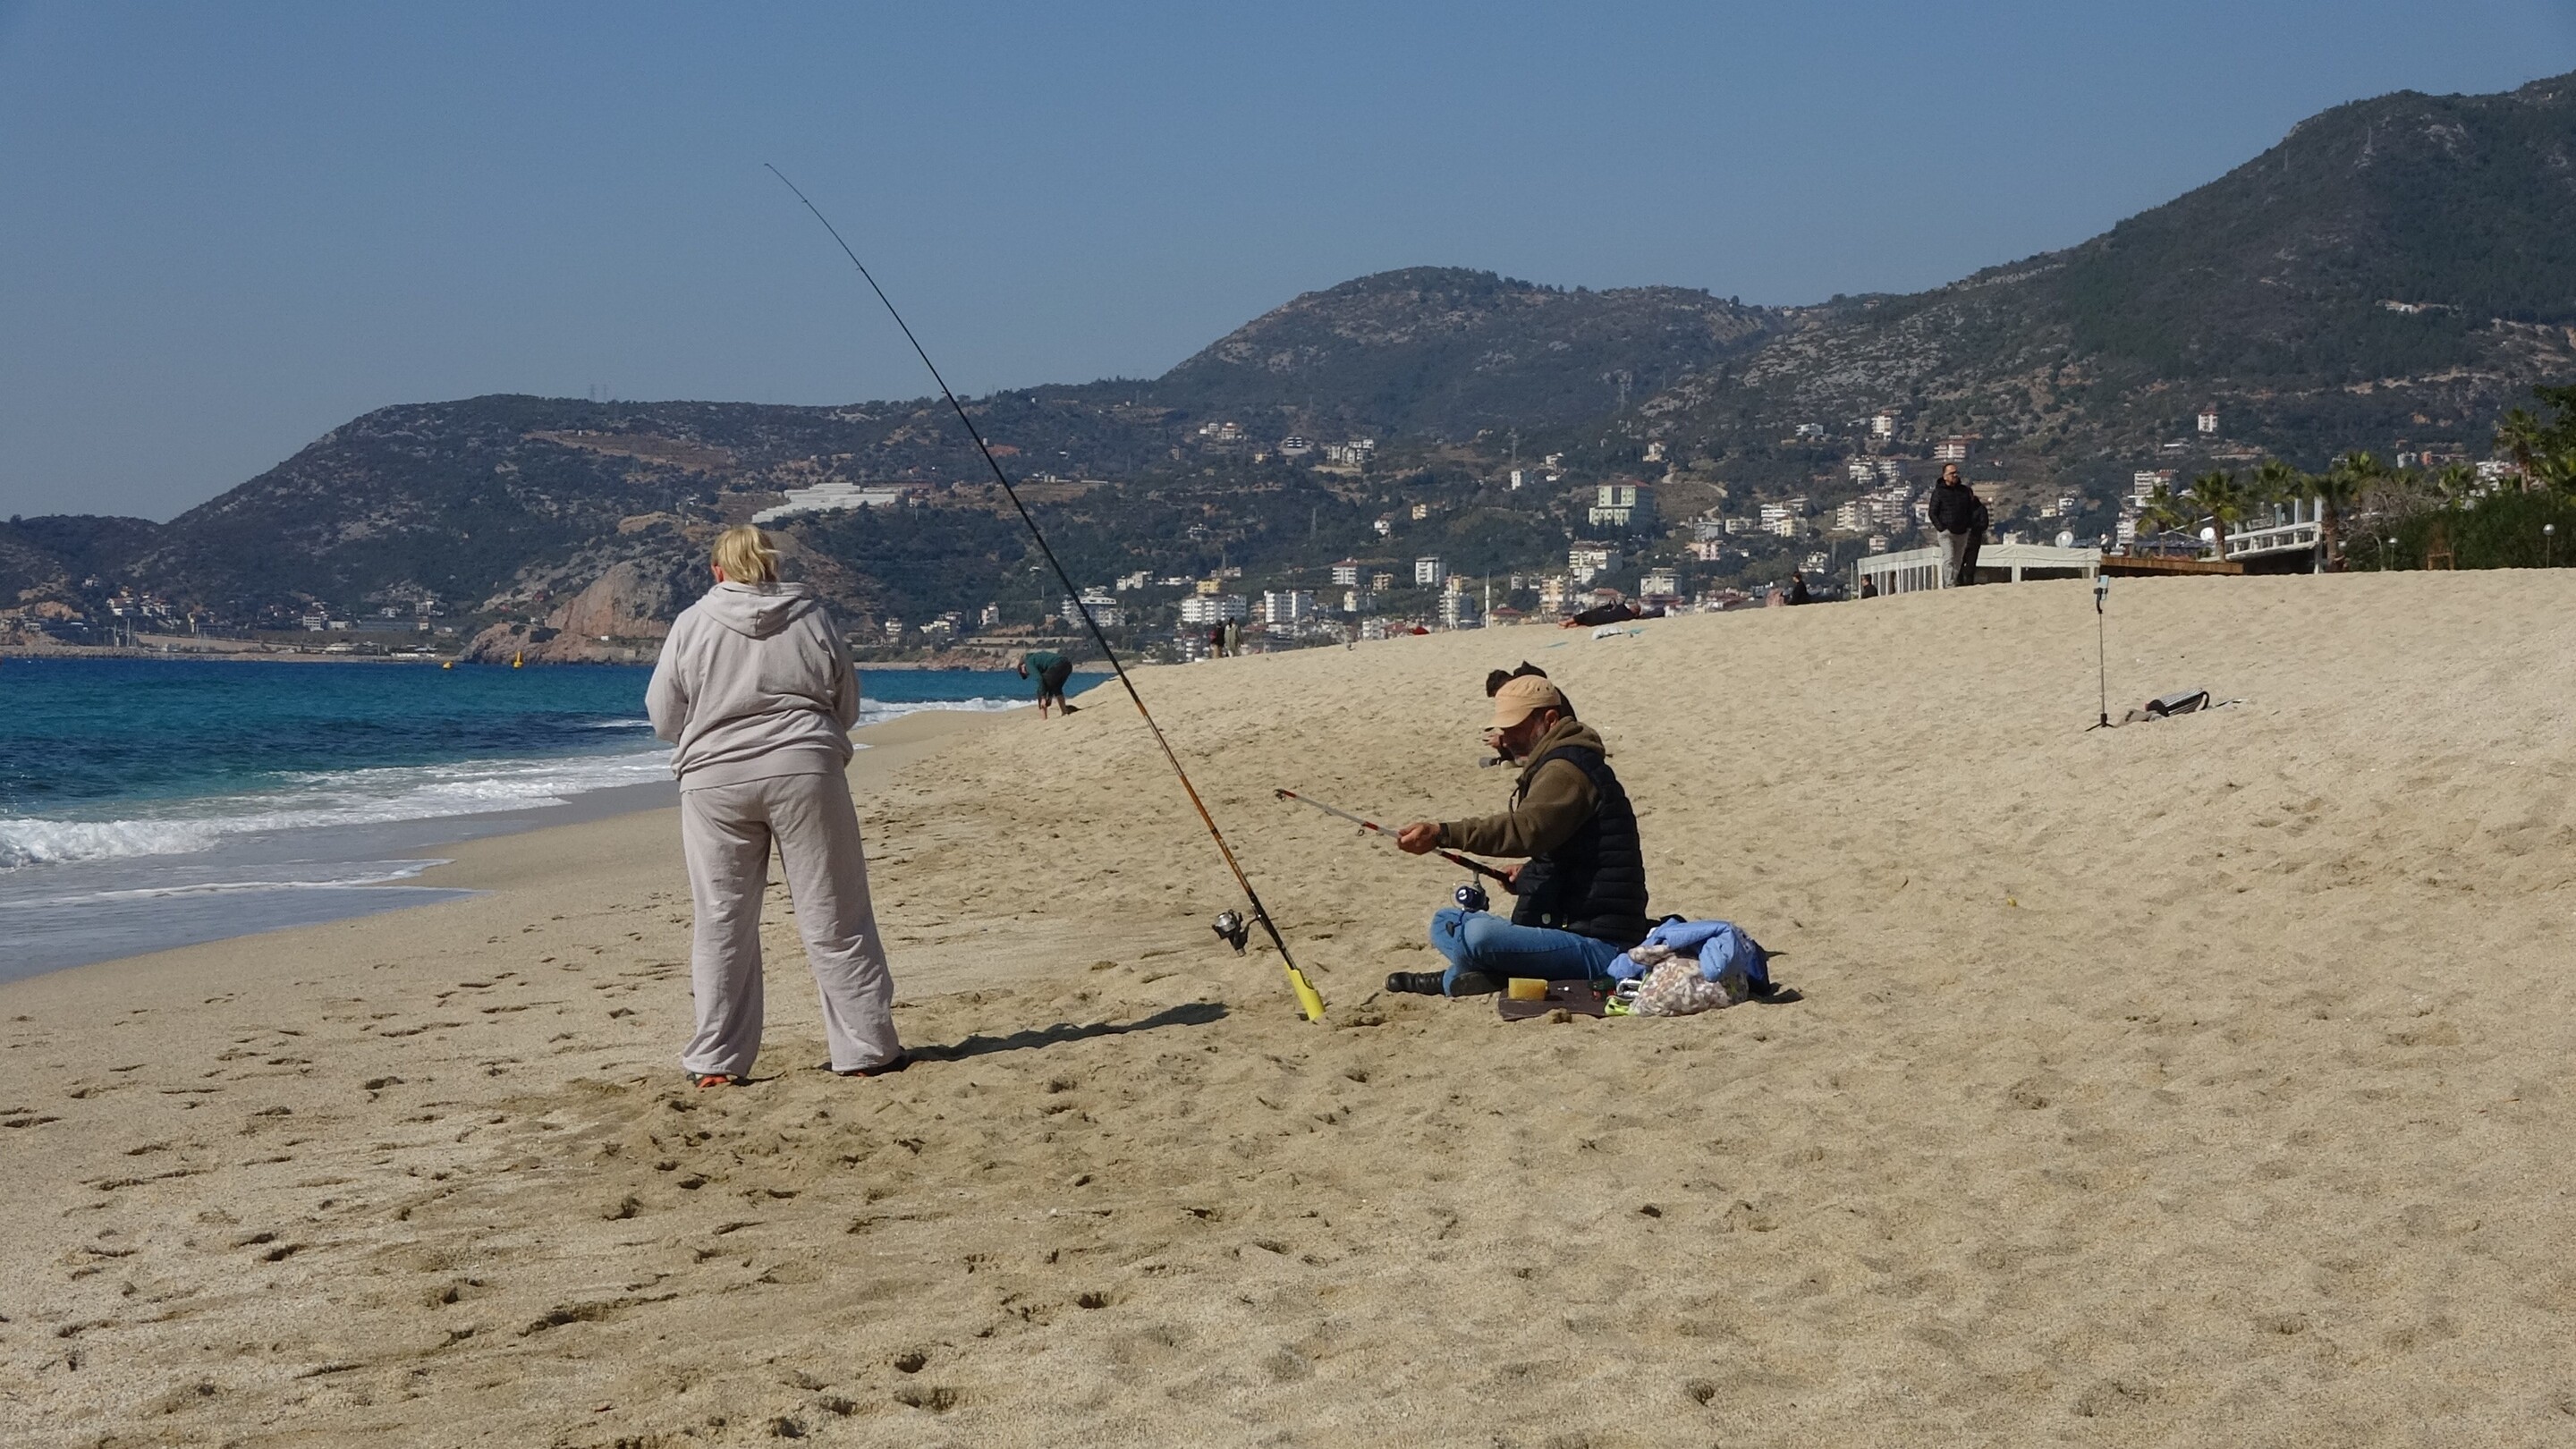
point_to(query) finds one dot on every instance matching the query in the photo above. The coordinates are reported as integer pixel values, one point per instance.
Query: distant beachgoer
(754, 690)
(1977, 524)
(1869, 586)
(1580, 895)
(1798, 589)
(1618, 613)
(1216, 641)
(1955, 518)
(1233, 637)
(1052, 670)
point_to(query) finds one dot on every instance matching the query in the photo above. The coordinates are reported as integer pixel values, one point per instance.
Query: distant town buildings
(1347, 572)
(1953, 449)
(1429, 571)
(1659, 584)
(1381, 582)
(1221, 432)
(1459, 610)
(1293, 446)
(1105, 610)
(2208, 422)
(1882, 426)
(1352, 454)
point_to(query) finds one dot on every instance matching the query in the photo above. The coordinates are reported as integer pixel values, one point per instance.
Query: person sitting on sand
(1581, 896)
(1052, 671)
(755, 692)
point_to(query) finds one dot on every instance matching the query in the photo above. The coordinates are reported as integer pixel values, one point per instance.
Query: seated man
(1581, 898)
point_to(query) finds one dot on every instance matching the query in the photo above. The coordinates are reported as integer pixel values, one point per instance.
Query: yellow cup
(1525, 988)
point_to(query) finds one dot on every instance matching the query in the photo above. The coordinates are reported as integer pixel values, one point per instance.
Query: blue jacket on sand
(1722, 946)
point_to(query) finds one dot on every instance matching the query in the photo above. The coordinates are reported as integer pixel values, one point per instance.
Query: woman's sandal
(886, 1068)
(720, 1079)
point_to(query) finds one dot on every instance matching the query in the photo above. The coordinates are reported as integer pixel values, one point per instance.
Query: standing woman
(755, 692)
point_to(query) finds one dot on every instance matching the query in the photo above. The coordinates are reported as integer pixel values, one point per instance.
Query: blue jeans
(1480, 941)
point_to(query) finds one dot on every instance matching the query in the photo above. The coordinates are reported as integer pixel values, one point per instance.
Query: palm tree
(2278, 482)
(2457, 483)
(2219, 495)
(2162, 511)
(2520, 436)
(2336, 489)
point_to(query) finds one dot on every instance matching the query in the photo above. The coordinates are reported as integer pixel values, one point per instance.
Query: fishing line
(1307, 998)
(1451, 856)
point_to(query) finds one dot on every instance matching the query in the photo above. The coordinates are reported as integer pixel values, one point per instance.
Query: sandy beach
(2195, 1082)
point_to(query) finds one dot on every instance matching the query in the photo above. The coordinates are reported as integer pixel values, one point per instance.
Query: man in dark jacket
(1580, 899)
(1958, 516)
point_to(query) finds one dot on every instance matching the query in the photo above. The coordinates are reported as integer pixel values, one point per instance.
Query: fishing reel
(1232, 929)
(1472, 897)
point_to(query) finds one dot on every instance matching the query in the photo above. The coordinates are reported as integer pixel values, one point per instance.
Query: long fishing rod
(1451, 856)
(1308, 999)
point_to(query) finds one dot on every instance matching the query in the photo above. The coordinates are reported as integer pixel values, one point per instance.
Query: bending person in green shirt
(1052, 671)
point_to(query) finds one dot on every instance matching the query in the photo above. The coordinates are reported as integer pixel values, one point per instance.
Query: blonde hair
(746, 555)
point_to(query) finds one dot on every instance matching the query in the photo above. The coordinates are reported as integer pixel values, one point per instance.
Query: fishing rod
(1308, 999)
(1453, 857)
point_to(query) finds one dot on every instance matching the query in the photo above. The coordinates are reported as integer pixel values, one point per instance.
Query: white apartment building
(1950, 450)
(2144, 483)
(1785, 519)
(2208, 421)
(1214, 609)
(1291, 606)
(1553, 592)
(1429, 571)
(1623, 505)
(1358, 601)
(1882, 425)
(1104, 607)
(1589, 561)
(1659, 584)
(1347, 572)
(1459, 610)
(1709, 550)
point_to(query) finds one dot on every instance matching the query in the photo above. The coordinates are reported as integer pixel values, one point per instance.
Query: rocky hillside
(2399, 268)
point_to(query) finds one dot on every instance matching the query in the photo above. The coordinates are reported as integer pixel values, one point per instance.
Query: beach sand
(2195, 1082)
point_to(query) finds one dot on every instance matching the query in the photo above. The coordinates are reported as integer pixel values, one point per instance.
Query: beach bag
(1673, 985)
(2181, 701)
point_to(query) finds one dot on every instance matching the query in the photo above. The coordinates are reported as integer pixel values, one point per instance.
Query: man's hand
(1512, 878)
(1420, 838)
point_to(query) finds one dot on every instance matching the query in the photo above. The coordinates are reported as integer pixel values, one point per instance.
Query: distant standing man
(1581, 892)
(1052, 670)
(1957, 515)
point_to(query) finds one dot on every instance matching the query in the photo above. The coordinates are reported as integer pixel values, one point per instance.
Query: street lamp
(2385, 544)
(2549, 545)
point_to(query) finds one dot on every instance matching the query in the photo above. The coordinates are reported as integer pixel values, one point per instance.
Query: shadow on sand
(1188, 1013)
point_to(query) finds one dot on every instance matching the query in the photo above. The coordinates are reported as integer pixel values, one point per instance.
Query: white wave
(876, 711)
(343, 797)
(383, 874)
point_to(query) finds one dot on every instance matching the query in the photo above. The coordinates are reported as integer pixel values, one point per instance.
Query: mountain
(2390, 275)
(1446, 353)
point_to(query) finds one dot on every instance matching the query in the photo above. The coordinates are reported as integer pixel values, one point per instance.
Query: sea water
(146, 803)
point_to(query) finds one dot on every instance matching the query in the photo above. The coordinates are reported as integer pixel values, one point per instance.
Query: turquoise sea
(148, 803)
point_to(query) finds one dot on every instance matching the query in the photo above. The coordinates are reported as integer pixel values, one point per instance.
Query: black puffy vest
(1595, 883)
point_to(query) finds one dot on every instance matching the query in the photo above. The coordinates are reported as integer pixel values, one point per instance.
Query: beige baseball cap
(1520, 698)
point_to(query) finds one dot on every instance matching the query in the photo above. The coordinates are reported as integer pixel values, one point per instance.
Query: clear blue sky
(226, 229)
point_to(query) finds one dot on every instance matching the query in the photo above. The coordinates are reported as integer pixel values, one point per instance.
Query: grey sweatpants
(1954, 556)
(725, 831)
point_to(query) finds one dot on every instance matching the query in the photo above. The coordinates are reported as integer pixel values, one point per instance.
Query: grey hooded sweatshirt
(752, 683)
